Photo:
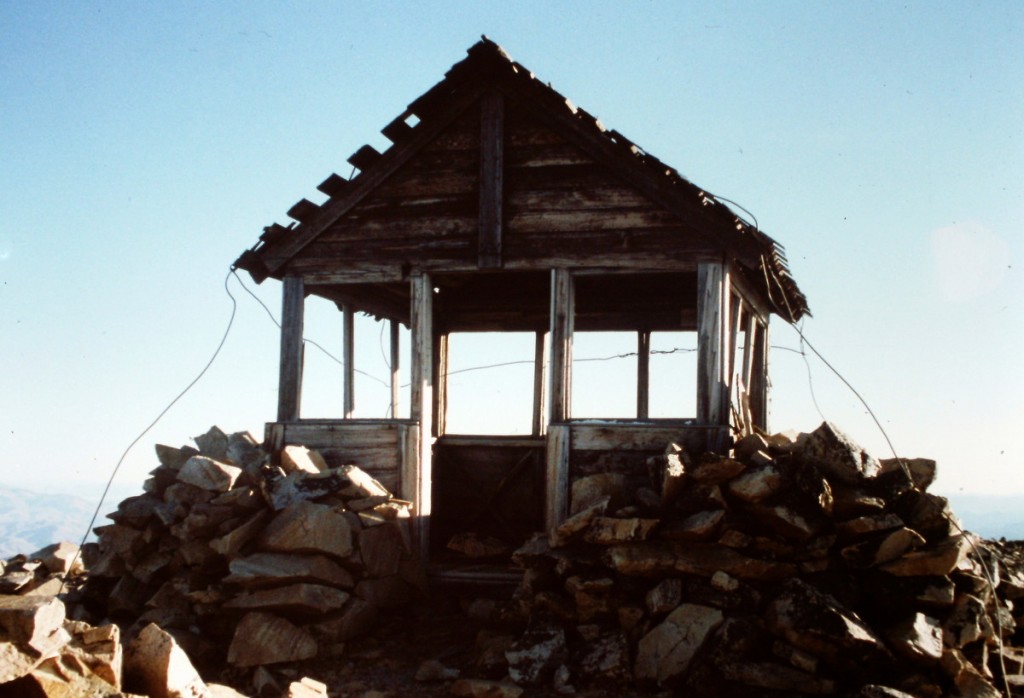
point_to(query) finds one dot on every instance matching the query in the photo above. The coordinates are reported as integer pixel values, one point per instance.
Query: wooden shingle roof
(488, 68)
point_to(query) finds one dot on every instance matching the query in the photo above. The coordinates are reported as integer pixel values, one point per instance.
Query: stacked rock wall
(250, 563)
(795, 567)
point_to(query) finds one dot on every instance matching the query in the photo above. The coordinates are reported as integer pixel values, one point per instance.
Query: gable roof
(488, 68)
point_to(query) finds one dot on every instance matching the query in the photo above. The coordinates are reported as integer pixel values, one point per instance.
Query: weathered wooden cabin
(501, 207)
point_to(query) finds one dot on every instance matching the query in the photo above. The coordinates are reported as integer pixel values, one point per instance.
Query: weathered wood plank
(547, 155)
(605, 248)
(712, 353)
(440, 424)
(462, 134)
(588, 220)
(643, 374)
(430, 183)
(376, 460)
(387, 208)
(399, 129)
(708, 222)
(541, 351)
(349, 360)
(421, 407)
(562, 302)
(759, 383)
(322, 270)
(410, 449)
(555, 177)
(428, 227)
(395, 356)
(303, 211)
(556, 479)
(468, 440)
(341, 433)
(590, 198)
(525, 132)
(754, 299)
(437, 160)
(289, 392)
(629, 435)
(364, 158)
(733, 337)
(334, 184)
(380, 273)
(748, 348)
(492, 169)
(389, 162)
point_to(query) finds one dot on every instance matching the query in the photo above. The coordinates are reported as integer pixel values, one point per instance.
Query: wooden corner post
(289, 391)
(713, 347)
(416, 473)
(562, 311)
(556, 477)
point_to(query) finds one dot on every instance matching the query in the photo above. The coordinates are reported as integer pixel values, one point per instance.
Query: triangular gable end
(501, 171)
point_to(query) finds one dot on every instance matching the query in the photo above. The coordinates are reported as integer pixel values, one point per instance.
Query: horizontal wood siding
(563, 208)
(426, 210)
(374, 446)
(625, 447)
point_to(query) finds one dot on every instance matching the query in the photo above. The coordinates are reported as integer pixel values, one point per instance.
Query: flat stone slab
(308, 527)
(666, 651)
(302, 599)
(660, 559)
(604, 530)
(263, 638)
(267, 569)
(208, 474)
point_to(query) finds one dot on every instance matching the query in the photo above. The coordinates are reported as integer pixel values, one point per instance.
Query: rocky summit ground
(794, 565)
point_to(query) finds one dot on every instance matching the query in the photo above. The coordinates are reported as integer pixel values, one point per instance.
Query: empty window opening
(323, 370)
(604, 376)
(490, 383)
(673, 375)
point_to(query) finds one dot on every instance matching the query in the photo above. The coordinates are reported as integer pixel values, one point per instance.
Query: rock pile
(45, 653)
(249, 563)
(798, 566)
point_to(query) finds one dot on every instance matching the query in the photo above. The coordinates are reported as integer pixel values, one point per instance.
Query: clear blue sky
(143, 146)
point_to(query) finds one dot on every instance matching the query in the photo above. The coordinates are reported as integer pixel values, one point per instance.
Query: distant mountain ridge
(31, 520)
(990, 516)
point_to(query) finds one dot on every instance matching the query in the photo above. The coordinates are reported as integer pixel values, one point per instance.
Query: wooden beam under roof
(492, 172)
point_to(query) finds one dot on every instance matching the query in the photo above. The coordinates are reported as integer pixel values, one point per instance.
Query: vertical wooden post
(759, 382)
(492, 169)
(395, 366)
(556, 479)
(735, 310)
(748, 350)
(562, 311)
(712, 348)
(440, 385)
(540, 379)
(417, 489)
(289, 391)
(348, 358)
(643, 374)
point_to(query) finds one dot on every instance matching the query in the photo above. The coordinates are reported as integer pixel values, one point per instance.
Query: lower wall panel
(376, 447)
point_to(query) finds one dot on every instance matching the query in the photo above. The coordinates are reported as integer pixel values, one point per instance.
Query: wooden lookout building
(501, 207)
